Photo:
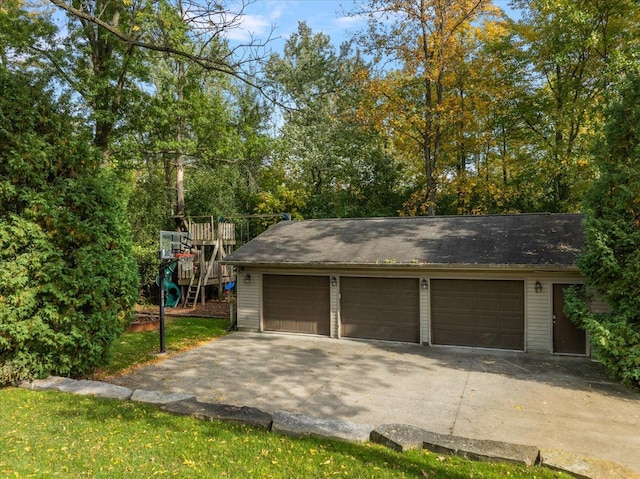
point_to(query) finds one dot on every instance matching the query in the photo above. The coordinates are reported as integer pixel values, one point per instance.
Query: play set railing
(207, 228)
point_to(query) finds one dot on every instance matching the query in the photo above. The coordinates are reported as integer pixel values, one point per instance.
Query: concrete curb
(399, 437)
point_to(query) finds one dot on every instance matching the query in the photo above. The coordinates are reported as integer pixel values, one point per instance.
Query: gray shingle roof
(528, 240)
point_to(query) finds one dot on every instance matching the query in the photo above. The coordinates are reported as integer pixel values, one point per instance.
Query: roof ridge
(490, 215)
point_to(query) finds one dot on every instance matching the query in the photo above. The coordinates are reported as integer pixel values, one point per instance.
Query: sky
(326, 16)
(321, 16)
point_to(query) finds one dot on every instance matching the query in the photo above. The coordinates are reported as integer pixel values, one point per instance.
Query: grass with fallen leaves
(133, 350)
(53, 434)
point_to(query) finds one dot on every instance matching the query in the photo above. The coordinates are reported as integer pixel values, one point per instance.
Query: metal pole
(162, 297)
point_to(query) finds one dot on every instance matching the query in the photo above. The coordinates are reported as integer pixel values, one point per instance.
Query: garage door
(296, 304)
(488, 314)
(380, 308)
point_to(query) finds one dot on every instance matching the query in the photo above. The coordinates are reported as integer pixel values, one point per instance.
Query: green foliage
(330, 164)
(212, 192)
(146, 257)
(67, 279)
(101, 72)
(611, 259)
(22, 32)
(615, 342)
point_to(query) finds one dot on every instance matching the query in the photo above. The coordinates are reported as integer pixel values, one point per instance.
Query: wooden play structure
(211, 241)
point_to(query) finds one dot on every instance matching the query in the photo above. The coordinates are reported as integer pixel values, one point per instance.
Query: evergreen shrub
(610, 261)
(68, 280)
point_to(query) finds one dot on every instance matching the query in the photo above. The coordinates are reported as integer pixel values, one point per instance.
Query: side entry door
(567, 337)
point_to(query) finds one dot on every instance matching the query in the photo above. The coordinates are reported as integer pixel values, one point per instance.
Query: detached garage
(470, 281)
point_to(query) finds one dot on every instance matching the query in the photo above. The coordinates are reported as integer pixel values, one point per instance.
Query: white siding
(249, 301)
(539, 310)
(537, 316)
(335, 306)
(599, 306)
(425, 314)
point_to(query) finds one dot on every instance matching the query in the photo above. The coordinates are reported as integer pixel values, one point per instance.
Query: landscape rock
(295, 424)
(50, 383)
(244, 415)
(97, 388)
(399, 437)
(155, 397)
(584, 467)
(482, 449)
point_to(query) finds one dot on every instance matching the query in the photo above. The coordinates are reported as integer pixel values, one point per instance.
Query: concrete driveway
(551, 402)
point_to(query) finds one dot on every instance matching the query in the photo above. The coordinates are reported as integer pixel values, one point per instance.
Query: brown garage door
(380, 308)
(488, 314)
(296, 304)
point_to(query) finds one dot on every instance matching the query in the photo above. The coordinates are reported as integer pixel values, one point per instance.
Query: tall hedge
(68, 280)
(611, 259)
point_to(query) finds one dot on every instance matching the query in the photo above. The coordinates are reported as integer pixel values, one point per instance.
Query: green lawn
(181, 333)
(52, 434)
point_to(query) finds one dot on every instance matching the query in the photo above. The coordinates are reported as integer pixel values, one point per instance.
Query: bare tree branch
(208, 23)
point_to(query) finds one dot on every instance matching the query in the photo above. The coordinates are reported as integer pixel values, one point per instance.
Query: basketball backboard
(172, 242)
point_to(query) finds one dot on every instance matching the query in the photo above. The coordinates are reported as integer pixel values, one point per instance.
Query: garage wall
(538, 306)
(599, 306)
(539, 310)
(249, 301)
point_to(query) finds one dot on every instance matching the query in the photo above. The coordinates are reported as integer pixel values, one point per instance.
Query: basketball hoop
(186, 260)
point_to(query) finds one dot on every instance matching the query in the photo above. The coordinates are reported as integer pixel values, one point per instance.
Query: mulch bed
(144, 322)
(211, 309)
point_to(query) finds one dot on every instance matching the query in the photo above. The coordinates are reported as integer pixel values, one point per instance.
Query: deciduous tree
(419, 43)
(568, 48)
(342, 165)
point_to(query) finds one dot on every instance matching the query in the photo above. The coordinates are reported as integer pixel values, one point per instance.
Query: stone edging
(400, 437)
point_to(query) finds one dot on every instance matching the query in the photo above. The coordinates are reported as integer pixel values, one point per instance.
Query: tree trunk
(180, 134)
(429, 136)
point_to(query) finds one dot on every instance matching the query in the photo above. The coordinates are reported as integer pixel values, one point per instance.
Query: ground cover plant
(133, 350)
(53, 434)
